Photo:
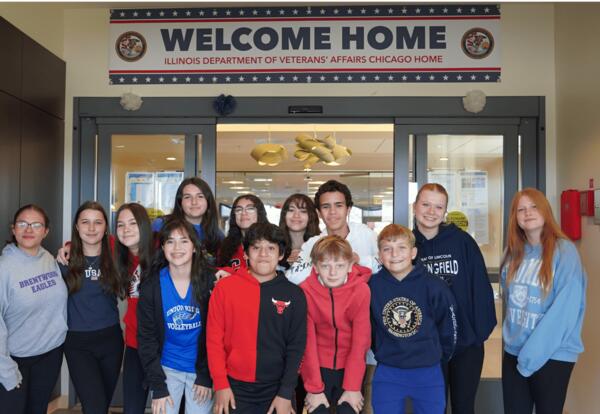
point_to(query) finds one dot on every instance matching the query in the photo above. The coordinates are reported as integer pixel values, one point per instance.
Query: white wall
(578, 131)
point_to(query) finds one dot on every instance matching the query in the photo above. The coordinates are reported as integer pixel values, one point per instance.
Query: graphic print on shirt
(525, 295)
(280, 305)
(134, 285)
(402, 317)
(39, 282)
(183, 317)
(92, 274)
(442, 266)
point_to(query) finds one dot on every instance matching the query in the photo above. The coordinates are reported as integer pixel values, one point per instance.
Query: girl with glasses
(33, 316)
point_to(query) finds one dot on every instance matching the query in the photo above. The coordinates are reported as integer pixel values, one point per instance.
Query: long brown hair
(312, 227)
(515, 249)
(109, 277)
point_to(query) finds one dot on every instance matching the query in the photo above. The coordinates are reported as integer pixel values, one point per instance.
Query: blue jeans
(179, 382)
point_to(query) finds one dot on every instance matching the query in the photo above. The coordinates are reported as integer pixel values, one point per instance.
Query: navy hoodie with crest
(413, 319)
(453, 256)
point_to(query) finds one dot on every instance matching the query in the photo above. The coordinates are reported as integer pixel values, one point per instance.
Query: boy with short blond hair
(338, 334)
(414, 323)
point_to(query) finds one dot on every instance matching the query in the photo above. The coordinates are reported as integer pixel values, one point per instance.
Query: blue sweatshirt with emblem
(453, 256)
(413, 319)
(540, 327)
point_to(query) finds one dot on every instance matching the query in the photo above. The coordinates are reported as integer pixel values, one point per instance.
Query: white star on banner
(268, 12)
(349, 11)
(308, 78)
(335, 78)
(121, 80)
(255, 12)
(241, 12)
(201, 78)
(227, 79)
(445, 77)
(390, 11)
(295, 78)
(188, 13)
(308, 11)
(376, 77)
(322, 78)
(214, 79)
(148, 14)
(122, 14)
(486, 10)
(295, 11)
(282, 12)
(201, 12)
(241, 78)
(148, 79)
(161, 79)
(418, 11)
(282, 78)
(363, 11)
(390, 77)
(473, 77)
(363, 78)
(161, 14)
(254, 78)
(404, 11)
(174, 13)
(174, 79)
(432, 10)
(322, 11)
(487, 77)
(215, 12)
(404, 77)
(134, 79)
(228, 12)
(459, 77)
(445, 10)
(336, 11)
(268, 79)
(472, 9)
(418, 77)
(188, 79)
(135, 14)
(459, 10)
(431, 77)
(349, 77)
(376, 11)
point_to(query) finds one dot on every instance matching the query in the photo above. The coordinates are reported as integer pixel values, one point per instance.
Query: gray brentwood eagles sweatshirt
(33, 308)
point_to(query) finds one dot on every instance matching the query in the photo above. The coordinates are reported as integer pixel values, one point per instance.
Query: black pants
(94, 359)
(253, 397)
(40, 374)
(333, 380)
(135, 395)
(546, 389)
(300, 393)
(462, 376)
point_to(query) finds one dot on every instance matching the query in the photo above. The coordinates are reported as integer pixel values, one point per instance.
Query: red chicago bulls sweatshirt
(256, 332)
(339, 329)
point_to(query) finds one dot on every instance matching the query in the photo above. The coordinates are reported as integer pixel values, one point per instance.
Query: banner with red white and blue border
(433, 43)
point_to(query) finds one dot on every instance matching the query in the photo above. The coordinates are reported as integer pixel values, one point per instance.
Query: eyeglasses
(35, 226)
(239, 210)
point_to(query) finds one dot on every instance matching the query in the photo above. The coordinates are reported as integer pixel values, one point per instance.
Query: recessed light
(443, 158)
(239, 188)
(120, 146)
(171, 159)
(316, 182)
(233, 182)
(263, 180)
(388, 192)
(378, 195)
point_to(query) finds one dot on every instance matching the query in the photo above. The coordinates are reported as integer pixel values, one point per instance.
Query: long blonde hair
(551, 233)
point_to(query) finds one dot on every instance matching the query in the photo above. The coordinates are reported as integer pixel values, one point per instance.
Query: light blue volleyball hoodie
(33, 309)
(538, 328)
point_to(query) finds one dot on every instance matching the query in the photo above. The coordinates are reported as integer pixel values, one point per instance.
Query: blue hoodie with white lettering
(540, 327)
(453, 256)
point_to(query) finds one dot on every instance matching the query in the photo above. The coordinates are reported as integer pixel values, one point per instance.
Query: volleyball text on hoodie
(339, 329)
(413, 319)
(540, 327)
(453, 256)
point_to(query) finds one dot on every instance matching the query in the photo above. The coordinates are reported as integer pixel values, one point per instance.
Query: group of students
(269, 319)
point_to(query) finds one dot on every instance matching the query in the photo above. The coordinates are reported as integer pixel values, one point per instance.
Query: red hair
(517, 238)
(435, 187)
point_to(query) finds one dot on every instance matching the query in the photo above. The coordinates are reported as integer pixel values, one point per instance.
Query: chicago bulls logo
(280, 305)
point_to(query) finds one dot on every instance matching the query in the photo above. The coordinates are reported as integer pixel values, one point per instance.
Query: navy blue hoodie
(453, 256)
(413, 319)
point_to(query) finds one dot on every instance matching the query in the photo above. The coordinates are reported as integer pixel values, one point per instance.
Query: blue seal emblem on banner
(131, 46)
(477, 43)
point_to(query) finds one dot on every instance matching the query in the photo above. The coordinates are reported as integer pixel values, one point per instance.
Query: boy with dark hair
(256, 331)
(414, 324)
